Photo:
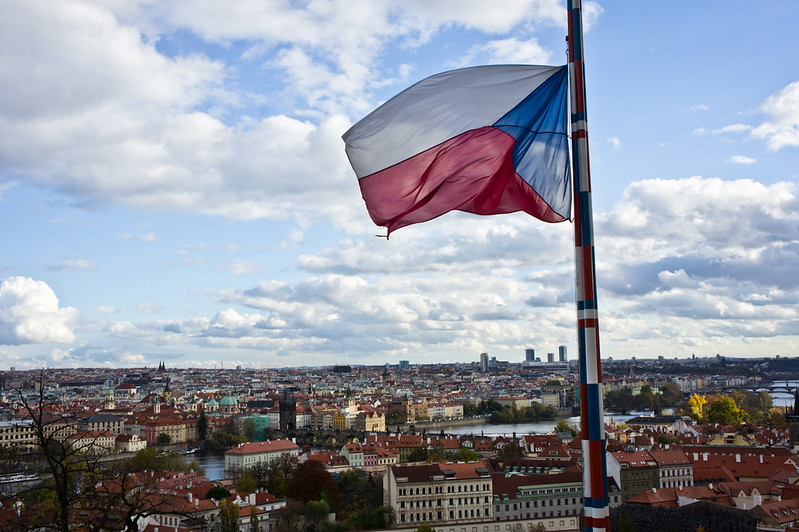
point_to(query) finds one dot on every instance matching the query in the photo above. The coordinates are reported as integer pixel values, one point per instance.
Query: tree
(202, 426)
(419, 454)
(646, 397)
(280, 474)
(163, 439)
(626, 523)
(312, 482)
(425, 528)
(670, 394)
(249, 428)
(218, 493)
(246, 483)
(775, 418)
(696, 405)
(150, 459)
(756, 405)
(317, 512)
(465, 455)
(563, 426)
(81, 491)
(253, 518)
(667, 439)
(510, 451)
(71, 474)
(621, 400)
(724, 411)
(228, 516)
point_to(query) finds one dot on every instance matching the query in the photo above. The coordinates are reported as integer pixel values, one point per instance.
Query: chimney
(189, 496)
(761, 458)
(196, 504)
(737, 458)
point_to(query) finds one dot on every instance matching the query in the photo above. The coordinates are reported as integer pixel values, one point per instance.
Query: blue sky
(173, 185)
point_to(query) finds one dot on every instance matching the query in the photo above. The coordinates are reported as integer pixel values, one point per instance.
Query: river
(215, 465)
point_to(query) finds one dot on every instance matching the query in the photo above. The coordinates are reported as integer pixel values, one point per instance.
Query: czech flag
(486, 140)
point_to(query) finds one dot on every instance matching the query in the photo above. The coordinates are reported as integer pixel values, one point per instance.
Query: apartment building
(248, 454)
(439, 493)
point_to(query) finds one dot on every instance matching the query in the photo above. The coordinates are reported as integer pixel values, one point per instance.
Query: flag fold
(484, 140)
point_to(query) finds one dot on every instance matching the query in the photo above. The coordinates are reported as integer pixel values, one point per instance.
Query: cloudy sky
(173, 185)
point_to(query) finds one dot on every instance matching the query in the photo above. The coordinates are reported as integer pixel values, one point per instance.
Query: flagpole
(595, 486)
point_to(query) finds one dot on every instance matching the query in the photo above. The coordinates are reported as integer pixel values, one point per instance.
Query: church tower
(288, 411)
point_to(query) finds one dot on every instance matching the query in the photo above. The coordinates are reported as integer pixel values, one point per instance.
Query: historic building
(249, 454)
(438, 493)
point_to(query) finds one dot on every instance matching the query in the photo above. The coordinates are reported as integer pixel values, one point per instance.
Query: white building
(438, 493)
(247, 455)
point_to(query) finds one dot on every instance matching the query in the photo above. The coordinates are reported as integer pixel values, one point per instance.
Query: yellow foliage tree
(697, 405)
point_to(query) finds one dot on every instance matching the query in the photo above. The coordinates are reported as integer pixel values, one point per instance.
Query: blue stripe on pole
(577, 31)
(577, 116)
(594, 421)
(586, 304)
(591, 502)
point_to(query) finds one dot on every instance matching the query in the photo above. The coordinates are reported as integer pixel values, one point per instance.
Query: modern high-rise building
(529, 355)
(404, 364)
(550, 357)
(562, 354)
(483, 361)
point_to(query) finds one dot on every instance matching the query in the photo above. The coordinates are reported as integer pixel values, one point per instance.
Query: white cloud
(73, 265)
(742, 159)
(615, 142)
(107, 310)
(700, 107)
(510, 50)
(732, 128)
(699, 131)
(29, 313)
(240, 267)
(293, 238)
(781, 129)
(144, 237)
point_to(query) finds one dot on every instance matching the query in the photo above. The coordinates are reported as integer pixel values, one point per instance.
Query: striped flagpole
(595, 486)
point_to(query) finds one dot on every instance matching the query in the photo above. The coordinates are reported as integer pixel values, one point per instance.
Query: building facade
(247, 455)
(439, 493)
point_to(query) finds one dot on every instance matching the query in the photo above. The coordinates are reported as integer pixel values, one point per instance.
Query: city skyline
(173, 186)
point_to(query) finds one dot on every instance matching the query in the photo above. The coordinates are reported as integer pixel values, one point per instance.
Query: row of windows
(674, 472)
(425, 503)
(549, 490)
(429, 516)
(430, 490)
(552, 502)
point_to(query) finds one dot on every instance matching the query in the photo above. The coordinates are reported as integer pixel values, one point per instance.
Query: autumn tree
(724, 411)
(563, 426)
(696, 406)
(510, 451)
(246, 482)
(254, 517)
(228, 516)
(279, 475)
(312, 482)
(464, 455)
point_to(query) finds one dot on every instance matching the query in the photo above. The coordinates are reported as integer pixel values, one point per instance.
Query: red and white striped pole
(595, 485)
